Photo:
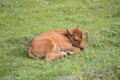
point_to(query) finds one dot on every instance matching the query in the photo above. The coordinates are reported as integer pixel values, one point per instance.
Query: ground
(22, 20)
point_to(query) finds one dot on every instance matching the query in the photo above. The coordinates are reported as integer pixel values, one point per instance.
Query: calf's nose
(82, 47)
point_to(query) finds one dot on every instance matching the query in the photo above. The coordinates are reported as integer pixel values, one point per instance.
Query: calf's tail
(30, 54)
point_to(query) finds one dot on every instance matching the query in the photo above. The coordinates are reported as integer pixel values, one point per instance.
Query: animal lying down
(53, 44)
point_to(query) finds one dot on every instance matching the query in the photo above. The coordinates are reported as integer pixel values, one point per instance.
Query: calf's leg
(54, 56)
(74, 50)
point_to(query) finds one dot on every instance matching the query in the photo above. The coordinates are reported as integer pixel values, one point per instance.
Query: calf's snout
(81, 47)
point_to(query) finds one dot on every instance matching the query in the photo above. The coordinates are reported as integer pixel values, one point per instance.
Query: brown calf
(56, 43)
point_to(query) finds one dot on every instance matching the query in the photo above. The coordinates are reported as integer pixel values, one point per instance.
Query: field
(22, 20)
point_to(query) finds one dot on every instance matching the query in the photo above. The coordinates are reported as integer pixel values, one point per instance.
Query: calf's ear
(68, 32)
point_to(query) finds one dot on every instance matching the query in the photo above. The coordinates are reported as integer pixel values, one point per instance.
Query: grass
(22, 20)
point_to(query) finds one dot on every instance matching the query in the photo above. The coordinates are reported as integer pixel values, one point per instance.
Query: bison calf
(56, 43)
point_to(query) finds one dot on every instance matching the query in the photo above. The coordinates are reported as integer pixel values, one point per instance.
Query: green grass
(22, 20)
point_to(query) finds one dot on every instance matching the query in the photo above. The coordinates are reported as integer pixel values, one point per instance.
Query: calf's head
(76, 37)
